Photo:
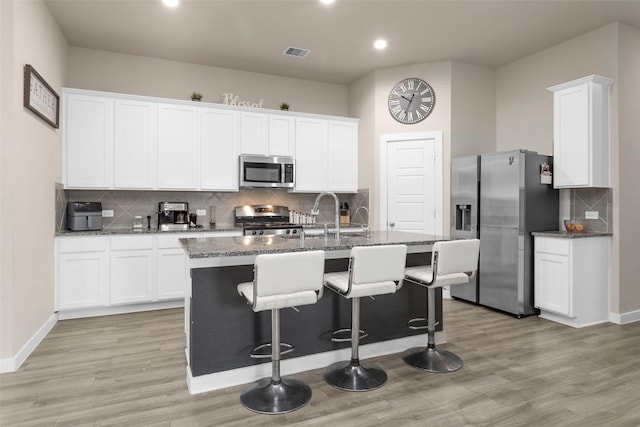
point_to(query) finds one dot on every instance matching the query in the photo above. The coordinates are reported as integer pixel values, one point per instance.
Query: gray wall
(116, 72)
(524, 111)
(30, 162)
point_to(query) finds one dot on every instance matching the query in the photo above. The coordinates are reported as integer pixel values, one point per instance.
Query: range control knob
(254, 232)
(261, 232)
(288, 231)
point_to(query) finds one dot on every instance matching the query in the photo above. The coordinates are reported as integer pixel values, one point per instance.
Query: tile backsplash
(592, 199)
(127, 204)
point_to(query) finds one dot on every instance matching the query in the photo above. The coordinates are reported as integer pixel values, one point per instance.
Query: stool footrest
(344, 335)
(260, 351)
(415, 323)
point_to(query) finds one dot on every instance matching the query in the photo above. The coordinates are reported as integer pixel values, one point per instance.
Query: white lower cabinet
(131, 269)
(82, 268)
(172, 273)
(94, 273)
(571, 279)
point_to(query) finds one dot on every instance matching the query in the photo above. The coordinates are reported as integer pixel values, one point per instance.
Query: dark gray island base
(222, 329)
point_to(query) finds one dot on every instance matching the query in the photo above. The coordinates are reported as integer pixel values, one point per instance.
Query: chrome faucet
(315, 211)
(365, 227)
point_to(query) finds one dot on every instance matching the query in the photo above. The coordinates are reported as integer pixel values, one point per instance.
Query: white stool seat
(340, 282)
(270, 302)
(452, 263)
(373, 270)
(279, 281)
(423, 275)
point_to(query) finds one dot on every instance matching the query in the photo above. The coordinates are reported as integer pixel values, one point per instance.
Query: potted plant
(284, 106)
(196, 96)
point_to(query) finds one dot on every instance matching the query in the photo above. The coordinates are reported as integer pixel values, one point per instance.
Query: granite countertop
(152, 230)
(255, 245)
(570, 234)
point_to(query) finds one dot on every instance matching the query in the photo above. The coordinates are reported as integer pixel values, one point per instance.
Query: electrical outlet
(591, 215)
(107, 213)
(201, 212)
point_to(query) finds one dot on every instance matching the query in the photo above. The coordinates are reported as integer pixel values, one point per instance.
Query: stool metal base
(432, 360)
(354, 376)
(266, 397)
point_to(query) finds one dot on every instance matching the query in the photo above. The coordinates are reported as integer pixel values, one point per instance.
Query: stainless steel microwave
(258, 171)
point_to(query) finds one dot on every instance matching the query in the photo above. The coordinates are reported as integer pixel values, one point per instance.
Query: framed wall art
(40, 98)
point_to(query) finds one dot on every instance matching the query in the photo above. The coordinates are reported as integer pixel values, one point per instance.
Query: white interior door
(411, 183)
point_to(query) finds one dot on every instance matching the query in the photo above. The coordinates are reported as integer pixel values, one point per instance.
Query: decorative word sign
(231, 99)
(40, 98)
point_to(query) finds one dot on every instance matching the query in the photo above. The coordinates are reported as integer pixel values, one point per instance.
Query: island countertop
(221, 330)
(213, 247)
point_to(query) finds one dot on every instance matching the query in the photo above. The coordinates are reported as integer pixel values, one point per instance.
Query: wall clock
(411, 100)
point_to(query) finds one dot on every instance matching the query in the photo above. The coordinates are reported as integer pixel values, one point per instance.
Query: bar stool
(452, 263)
(373, 270)
(279, 281)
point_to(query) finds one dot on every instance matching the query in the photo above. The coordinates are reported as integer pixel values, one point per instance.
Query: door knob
(391, 224)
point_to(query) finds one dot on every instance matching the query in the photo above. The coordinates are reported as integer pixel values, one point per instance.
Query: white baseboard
(233, 377)
(119, 309)
(13, 364)
(624, 318)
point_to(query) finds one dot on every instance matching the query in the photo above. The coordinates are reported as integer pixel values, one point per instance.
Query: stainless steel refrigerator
(465, 181)
(512, 202)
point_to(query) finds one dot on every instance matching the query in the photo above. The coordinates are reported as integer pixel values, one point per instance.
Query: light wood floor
(129, 370)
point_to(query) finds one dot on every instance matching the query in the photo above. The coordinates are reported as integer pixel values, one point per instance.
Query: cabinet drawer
(82, 244)
(131, 242)
(552, 245)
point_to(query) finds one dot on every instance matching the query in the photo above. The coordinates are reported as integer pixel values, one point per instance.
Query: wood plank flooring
(129, 370)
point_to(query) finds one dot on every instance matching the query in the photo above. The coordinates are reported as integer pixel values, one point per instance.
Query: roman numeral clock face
(411, 101)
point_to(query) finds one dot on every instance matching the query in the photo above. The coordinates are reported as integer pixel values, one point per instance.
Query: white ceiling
(251, 35)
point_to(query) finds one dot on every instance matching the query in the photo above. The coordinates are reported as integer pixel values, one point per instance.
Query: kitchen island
(222, 329)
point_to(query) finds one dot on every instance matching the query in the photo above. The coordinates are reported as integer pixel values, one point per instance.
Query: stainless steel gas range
(265, 220)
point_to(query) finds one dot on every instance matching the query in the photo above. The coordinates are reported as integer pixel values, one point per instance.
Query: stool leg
(354, 375)
(275, 395)
(429, 358)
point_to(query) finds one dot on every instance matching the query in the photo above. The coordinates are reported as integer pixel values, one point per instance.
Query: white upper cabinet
(342, 156)
(254, 133)
(218, 153)
(88, 141)
(326, 155)
(136, 125)
(282, 135)
(581, 133)
(311, 149)
(178, 148)
(267, 134)
(116, 141)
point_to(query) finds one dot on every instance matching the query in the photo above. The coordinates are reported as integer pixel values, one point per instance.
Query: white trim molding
(624, 318)
(119, 309)
(12, 364)
(247, 374)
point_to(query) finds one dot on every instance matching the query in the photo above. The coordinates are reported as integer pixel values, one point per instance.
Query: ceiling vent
(296, 51)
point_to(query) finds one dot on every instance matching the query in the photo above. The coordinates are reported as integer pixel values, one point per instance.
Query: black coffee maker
(173, 216)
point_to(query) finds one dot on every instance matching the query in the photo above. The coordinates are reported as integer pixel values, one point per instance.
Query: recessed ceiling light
(171, 3)
(380, 44)
(327, 1)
